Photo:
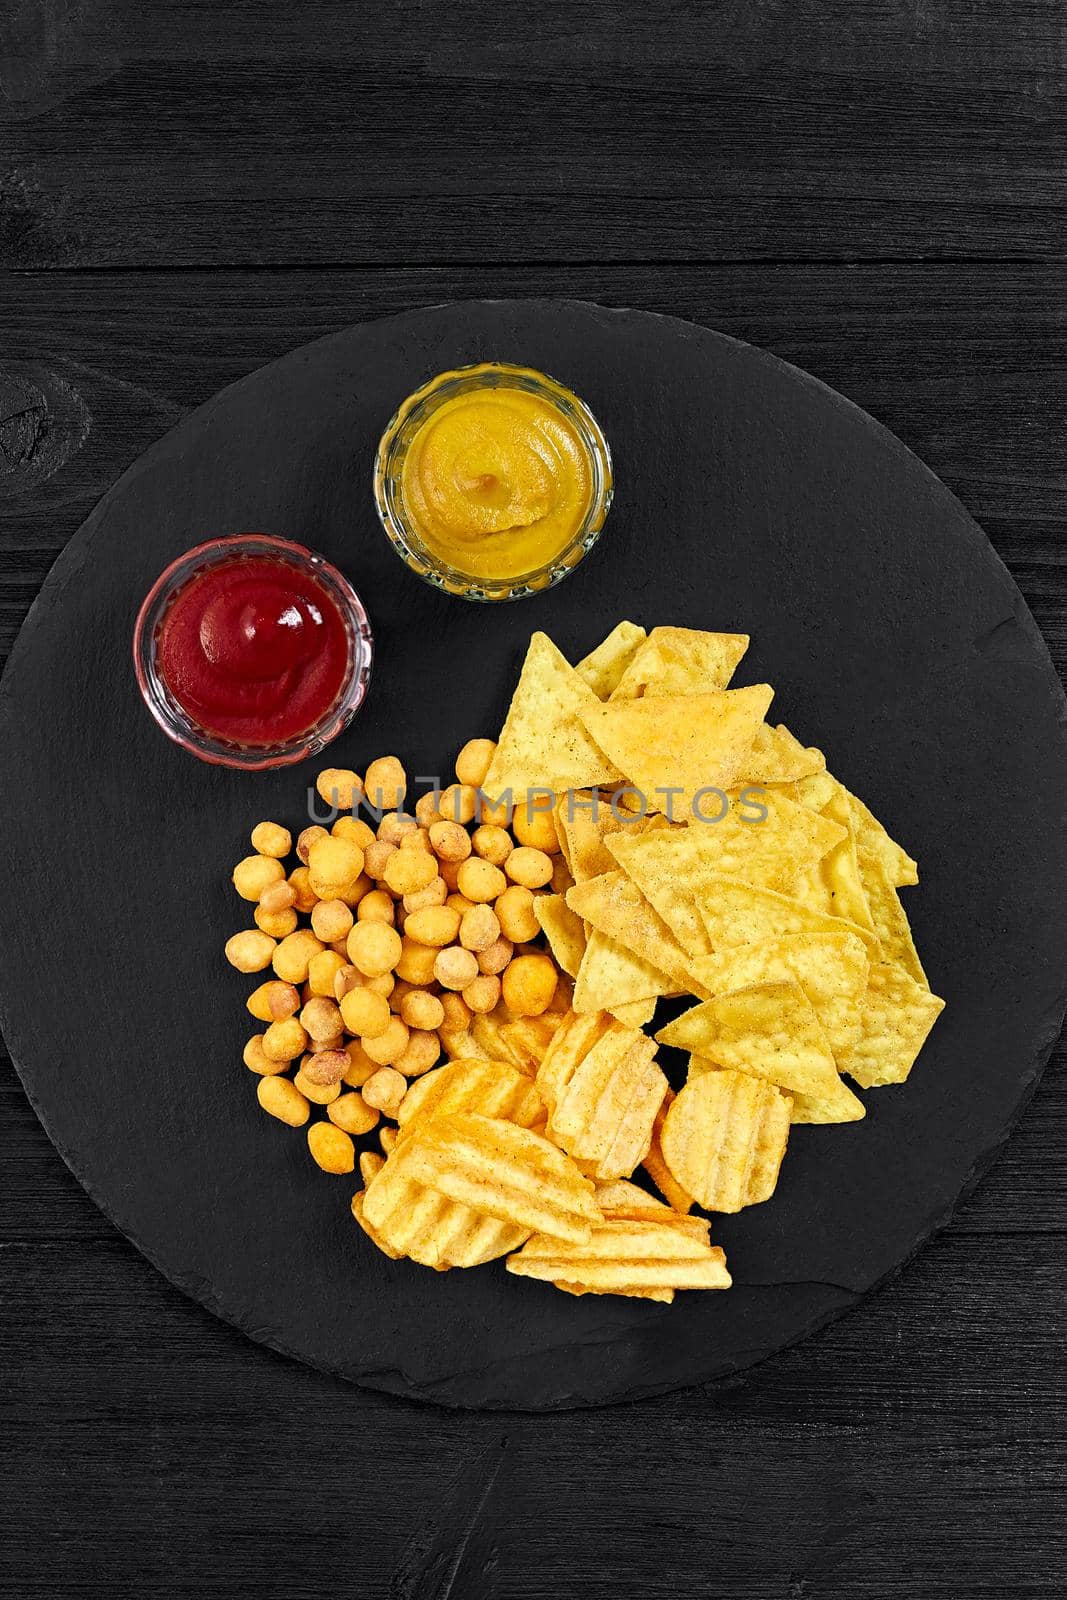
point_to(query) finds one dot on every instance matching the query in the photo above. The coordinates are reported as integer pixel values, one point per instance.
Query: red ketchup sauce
(255, 650)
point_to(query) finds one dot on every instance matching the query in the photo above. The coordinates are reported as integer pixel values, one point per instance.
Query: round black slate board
(749, 497)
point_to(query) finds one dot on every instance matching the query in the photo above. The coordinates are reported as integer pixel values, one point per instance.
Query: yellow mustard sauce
(497, 482)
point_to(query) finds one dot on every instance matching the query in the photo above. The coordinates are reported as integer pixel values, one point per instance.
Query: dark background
(874, 191)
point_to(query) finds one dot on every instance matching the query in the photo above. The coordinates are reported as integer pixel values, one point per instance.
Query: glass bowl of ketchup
(251, 651)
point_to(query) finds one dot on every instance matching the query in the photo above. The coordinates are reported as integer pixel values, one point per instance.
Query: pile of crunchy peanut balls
(389, 942)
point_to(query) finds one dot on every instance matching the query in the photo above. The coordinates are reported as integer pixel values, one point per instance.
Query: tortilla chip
(615, 906)
(775, 853)
(564, 931)
(896, 1017)
(833, 884)
(739, 913)
(777, 757)
(839, 1106)
(888, 917)
(681, 661)
(685, 743)
(602, 668)
(769, 1031)
(873, 839)
(635, 1013)
(611, 976)
(831, 968)
(544, 743)
(585, 819)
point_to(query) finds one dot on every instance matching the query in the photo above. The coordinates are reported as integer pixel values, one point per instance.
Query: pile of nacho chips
(713, 857)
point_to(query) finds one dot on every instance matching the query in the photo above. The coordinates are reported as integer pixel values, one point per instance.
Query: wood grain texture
(802, 166)
(338, 133)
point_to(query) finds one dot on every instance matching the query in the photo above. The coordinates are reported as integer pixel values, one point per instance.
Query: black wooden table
(875, 192)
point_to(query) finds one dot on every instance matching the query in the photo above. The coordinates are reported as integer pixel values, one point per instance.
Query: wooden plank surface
(139, 133)
(875, 192)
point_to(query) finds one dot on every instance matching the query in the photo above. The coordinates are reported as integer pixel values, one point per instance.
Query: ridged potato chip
(683, 743)
(648, 1257)
(677, 1198)
(769, 1031)
(569, 1046)
(490, 1088)
(406, 1218)
(724, 1137)
(896, 1016)
(603, 1115)
(498, 1170)
(544, 743)
(527, 1039)
(602, 668)
(675, 661)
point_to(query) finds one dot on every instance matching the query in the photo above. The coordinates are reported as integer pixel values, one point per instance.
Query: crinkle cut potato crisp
(457, 994)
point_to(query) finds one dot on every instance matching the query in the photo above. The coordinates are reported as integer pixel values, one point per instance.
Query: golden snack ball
(306, 838)
(325, 1066)
(386, 783)
(450, 841)
(385, 1090)
(458, 803)
(534, 824)
(340, 787)
(331, 1147)
(387, 1139)
(496, 957)
(300, 881)
(455, 967)
(352, 1113)
(278, 896)
(479, 880)
(355, 830)
(280, 1098)
(376, 857)
(322, 972)
(482, 994)
(257, 1060)
(271, 839)
(434, 894)
(407, 871)
(437, 925)
(331, 920)
(389, 1045)
(278, 924)
(374, 947)
(254, 874)
(284, 1041)
(250, 951)
(457, 1013)
(292, 956)
(426, 812)
(360, 1065)
(422, 1010)
(334, 864)
(474, 760)
(422, 1052)
(319, 1093)
(365, 1013)
(273, 1001)
(479, 928)
(492, 843)
(515, 913)
(528, 867)
(321, 1018)
(529, 984)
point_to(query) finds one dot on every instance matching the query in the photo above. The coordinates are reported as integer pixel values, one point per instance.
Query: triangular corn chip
(896, 1017)
(681, 661)
(839, 1106)
(831, 968)
(874, 841)
(635, 1013)
(611, 976)
(673, 747)
(738, 913)
(615, 906)
(888, 916)
(769, 1031)
(564, 930)
(544, 743)
(602, 668)
(585, 819)
(777, 757)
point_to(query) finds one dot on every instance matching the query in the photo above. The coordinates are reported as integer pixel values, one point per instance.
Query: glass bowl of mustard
(493, 481)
